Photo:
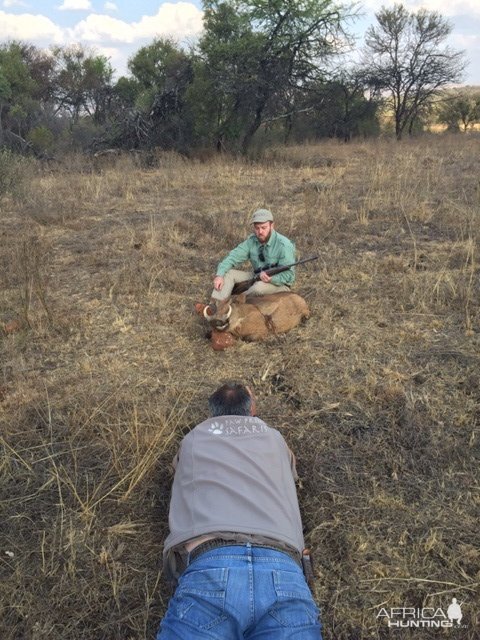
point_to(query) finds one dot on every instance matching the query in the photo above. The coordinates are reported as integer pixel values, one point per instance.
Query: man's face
(263, 230)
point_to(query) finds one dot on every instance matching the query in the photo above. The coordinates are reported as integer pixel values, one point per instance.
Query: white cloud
(110, 6)
(13, 3)
(464, 41)
(75, 5)
(446, 8)
(114, 55)
(179, 20)
(471, 45)
(30, 28)
(98, 28)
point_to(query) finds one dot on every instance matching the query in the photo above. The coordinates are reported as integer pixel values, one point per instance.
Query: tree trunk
(288, 128)
(410, 126)
(252, 128)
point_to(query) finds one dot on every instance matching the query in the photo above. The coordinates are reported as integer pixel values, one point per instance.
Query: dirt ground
(104, 366)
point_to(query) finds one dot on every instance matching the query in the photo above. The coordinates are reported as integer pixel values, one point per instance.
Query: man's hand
(218, 283)
(264, 277)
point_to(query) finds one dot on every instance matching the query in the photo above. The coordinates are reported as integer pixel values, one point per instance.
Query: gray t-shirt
(234, 474)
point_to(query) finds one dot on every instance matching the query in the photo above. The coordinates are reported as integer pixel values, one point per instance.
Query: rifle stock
(240, 287)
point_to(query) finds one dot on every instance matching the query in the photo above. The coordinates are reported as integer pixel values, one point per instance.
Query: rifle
(240, 287)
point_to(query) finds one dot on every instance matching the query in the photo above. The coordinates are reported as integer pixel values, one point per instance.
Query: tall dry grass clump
(104, 368)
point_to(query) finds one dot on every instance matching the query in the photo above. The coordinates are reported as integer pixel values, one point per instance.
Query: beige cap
(262, 215)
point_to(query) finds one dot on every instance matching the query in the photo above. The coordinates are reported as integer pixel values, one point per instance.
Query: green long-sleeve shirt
(278, 251)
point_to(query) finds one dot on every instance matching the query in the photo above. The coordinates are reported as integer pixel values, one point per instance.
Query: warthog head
(217, 314)
(218, 318)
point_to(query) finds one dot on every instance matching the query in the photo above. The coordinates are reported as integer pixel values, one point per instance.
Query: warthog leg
(269, 323)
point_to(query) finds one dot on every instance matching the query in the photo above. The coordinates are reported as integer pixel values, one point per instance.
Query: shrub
(42, 139)
(12, 172)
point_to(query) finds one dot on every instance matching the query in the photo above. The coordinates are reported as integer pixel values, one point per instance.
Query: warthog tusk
(207, 315)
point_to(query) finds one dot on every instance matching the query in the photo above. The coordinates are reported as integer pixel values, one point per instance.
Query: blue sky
(118, 28)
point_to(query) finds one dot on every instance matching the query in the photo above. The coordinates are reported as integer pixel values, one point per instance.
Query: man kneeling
(235, 542)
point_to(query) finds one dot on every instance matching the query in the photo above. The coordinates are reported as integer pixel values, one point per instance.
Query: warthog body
(253, 318)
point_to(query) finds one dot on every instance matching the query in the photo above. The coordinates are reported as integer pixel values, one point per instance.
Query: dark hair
(231, 399)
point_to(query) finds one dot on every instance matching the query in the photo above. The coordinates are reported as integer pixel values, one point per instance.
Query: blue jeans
(241, 592)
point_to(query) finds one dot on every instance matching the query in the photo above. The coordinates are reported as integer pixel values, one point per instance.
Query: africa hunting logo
(424, 618)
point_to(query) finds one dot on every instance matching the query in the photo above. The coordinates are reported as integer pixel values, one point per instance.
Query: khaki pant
(257, 289)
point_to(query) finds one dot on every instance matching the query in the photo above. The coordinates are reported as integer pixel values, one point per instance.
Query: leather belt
(216, 543)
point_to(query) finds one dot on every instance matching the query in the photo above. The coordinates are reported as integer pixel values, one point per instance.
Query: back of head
(231, 399)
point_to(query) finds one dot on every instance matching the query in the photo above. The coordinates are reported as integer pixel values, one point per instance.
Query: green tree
(162, 73)
(460, 109)
(125, 91)
(17, 87)
(5, 96)
(41, 139)
(256, 52)
(82, 83)
(341, 107)
(406, 59)
(25, 90)
(224, 75)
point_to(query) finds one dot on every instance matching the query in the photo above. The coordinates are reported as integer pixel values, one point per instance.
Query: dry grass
(105, 367)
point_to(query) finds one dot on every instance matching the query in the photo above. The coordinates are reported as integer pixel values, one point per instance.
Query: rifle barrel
(240, 287)
(284, 267)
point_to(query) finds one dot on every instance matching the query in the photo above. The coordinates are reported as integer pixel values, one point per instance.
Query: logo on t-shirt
(237, 427)
(216, 428)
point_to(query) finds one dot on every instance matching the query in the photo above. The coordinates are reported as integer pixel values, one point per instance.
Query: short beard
(267, 238)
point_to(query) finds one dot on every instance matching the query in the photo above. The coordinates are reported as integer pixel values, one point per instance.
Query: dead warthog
(252, 318)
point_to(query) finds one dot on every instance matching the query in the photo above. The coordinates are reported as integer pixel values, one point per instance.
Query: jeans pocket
(200, 597)
(295, 606)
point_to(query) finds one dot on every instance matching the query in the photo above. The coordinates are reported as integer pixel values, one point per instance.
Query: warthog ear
(199, 307)
(241, 298)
